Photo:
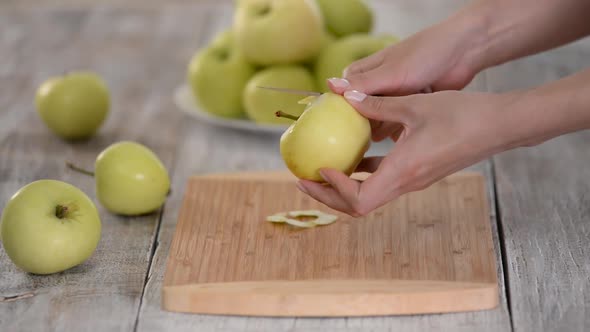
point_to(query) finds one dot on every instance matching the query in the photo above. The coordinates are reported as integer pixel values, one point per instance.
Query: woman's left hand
(441, 133)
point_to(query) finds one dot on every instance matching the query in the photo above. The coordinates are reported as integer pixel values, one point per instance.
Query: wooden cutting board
(427, 252)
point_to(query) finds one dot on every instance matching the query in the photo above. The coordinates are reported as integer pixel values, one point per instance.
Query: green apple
(329, 134)
(327, 39)
(73, 106)
(261, 105)
(49, 226)
(340, 54)
(218, 74)
(273, 32)
(130, 179)
(388, 39)
(346, 17)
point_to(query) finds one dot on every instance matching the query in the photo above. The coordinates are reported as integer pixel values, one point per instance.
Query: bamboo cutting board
(427, 252)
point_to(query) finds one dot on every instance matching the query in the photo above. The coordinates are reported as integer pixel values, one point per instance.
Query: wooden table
(541, 195)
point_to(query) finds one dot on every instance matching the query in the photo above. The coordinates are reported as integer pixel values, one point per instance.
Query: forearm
(504, 30)
(532, 117)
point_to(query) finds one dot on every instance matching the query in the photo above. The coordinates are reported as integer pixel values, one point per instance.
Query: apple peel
(321, 219)
(277, 218)
(307, 100)
(302, 224)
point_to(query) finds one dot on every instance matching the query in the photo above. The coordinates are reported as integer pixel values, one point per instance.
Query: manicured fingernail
(339, 83)
(355, 96)
(301, 187)
(345, 72)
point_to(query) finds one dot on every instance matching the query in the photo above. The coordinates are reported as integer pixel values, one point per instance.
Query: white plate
(184, 100)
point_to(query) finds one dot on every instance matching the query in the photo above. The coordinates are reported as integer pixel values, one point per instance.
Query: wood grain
(142, 53)
(427, 252)
(104, 293)
(543, 193)
(205, 149)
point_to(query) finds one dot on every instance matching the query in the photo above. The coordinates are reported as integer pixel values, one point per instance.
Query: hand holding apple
(73, 106)
(329, 134)
(49, 226)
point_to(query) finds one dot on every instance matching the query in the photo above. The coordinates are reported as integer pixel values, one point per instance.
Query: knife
(292, 91)
(316, 94)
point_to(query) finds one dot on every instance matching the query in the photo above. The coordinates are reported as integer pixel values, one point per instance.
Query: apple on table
(130, 179)
(49, 226)
(74, 105)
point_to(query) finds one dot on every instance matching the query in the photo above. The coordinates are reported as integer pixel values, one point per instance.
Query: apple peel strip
(321, 219)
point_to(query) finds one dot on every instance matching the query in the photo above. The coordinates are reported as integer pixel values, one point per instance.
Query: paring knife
(292, 91)
(313, 93)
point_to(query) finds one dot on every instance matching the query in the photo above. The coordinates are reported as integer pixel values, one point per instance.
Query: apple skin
(261, 105)
(329, 134)
(39, 242)
(73, 106)
(218, 74)
(275, 32)
(338, 55)
(346, 17)
(130, 179)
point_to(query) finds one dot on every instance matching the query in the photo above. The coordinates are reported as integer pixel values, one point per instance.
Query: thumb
(387, 109)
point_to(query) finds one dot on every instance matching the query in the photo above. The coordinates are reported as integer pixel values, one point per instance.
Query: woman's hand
(482, 34)
(429, 60)
(442, 133)
(442, 57)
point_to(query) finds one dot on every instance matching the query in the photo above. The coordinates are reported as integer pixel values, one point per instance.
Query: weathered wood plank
(208, 149)
(104, 293)
(544, 197)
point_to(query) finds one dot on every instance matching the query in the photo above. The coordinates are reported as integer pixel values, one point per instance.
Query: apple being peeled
(346, 17)
(73, 106)
(49, 226)
(218, 75)
(340, 54)
(329, 134)
(130, 179)
(261, 105)
(273, 32)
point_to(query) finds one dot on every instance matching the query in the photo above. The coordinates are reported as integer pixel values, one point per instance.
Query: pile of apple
(294, 44)
(49, 226)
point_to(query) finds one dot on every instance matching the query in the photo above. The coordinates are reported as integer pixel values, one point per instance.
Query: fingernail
(339, 83)
(323, 175)
(301, 187)
(345, 72)
(355, 96)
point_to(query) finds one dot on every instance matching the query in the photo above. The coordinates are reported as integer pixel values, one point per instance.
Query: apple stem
(61, 211)
(281, 114)
(78, 169)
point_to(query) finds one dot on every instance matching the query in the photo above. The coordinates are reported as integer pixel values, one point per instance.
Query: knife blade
(291, 91)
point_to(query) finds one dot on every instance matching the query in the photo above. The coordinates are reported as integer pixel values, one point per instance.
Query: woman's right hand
(442, 57)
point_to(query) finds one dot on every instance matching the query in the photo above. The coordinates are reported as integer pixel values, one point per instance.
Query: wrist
(473, 23)
(532, 117)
